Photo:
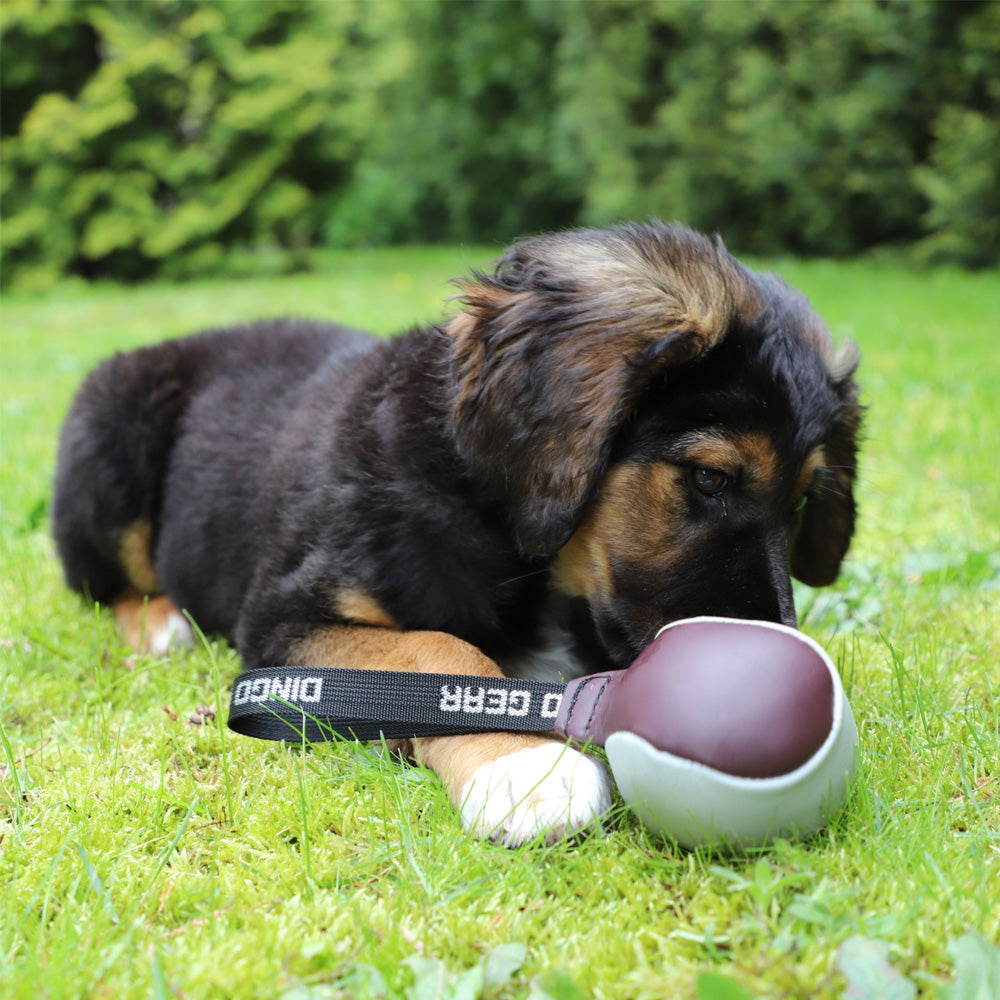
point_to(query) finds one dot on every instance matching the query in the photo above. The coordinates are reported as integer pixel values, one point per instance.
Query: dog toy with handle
(722, 731)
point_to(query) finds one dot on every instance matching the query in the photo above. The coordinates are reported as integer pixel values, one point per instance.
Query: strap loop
(320, 703)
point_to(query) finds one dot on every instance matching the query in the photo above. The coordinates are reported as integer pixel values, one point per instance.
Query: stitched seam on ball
(572, 704)
(600, 694)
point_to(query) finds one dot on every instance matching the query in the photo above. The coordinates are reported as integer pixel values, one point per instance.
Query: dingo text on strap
(319, 703)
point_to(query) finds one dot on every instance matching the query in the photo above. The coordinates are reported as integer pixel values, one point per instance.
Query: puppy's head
(674, 428)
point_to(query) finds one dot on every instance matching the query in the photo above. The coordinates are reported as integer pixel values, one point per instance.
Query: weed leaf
(322, 991)
(362, 982)
(431, 980)
(501, 963)
(864, 962)
(716, 986)
(467, 985)
(555, 985)
(977, 969)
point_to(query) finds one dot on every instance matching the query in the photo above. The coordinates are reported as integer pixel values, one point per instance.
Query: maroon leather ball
(742, 697)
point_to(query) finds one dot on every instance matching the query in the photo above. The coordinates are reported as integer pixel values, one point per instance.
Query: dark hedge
(177, 138)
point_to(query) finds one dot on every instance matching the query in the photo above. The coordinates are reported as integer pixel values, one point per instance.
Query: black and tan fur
(529, 474)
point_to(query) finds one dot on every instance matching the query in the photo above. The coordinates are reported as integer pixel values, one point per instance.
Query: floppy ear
(828, 523)
(554, 350)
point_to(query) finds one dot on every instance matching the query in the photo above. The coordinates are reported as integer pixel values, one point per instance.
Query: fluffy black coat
(448, 473)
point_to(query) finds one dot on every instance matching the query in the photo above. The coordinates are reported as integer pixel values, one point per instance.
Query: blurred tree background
(183, 137)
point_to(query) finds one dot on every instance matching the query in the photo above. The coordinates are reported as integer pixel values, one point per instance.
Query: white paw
(552, 790)
(172, 633)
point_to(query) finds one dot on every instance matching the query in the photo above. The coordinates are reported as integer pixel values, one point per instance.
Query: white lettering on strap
(491, 701)
(311, 689)
(283, 689)
(472, 703)
(518, 703)
(550, 705)
(496, 701)
(451, 698)
(292, 689)
(242, 693)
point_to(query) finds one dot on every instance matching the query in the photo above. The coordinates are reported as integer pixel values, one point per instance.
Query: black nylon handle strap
(319, 703)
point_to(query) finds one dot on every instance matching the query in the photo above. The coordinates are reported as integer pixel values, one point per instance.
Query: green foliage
(960, 177)
(180, 131)
(977, 969)
(187, 136)
(788, 126)
(716, 986)
(864, 963)
(463, 153)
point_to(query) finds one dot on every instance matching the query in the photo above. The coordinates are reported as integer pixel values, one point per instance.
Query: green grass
(145, 856)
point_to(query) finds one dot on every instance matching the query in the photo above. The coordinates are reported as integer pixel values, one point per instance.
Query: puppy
(618, 429)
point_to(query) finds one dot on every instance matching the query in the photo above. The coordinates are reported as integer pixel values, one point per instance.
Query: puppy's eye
(709, 481)
(800, 504)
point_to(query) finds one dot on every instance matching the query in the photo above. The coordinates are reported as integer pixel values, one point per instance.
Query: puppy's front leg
(510, 787)
(151, 624)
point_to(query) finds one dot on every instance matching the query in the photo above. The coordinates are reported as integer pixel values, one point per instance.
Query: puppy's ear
(828, 523)
(554, 350)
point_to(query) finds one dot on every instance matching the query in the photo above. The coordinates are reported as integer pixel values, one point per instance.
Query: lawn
(147, 852)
